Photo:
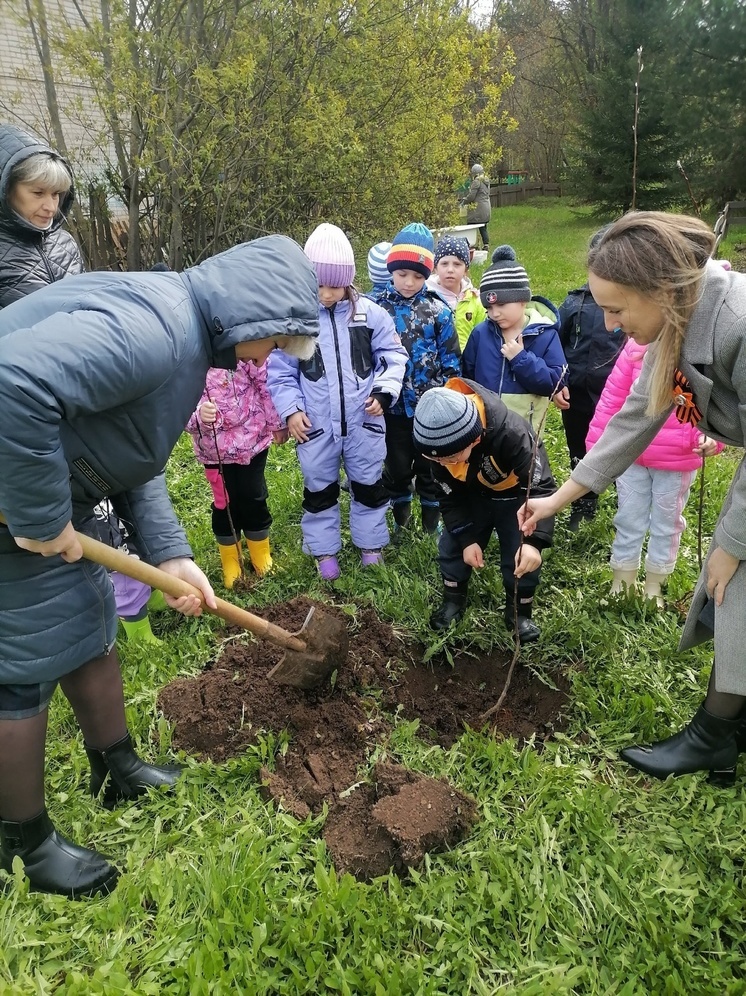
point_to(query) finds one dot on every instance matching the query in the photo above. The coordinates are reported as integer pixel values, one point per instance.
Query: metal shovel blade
(327, 644)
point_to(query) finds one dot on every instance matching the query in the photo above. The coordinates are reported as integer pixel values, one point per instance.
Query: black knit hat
(505, 281)
(445, 422)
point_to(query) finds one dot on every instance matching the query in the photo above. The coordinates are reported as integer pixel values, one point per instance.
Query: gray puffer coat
(30, 258)
(99, 374)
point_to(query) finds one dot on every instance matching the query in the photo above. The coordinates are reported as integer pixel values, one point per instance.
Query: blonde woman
(652, 276)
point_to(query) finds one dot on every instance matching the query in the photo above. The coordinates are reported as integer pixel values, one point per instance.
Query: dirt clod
(379, 821)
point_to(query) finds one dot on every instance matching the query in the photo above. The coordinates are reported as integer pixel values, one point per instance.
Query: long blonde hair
(662, 257)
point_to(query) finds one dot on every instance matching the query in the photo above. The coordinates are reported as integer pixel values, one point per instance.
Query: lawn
(579, 878)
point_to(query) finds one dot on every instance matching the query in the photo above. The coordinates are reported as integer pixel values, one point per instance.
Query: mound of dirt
(374, 824)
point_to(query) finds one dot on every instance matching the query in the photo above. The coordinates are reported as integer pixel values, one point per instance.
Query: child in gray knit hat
(483, 459)
(515, 351)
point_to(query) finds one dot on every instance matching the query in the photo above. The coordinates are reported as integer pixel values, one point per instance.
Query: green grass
(550, 237)
(579, 877)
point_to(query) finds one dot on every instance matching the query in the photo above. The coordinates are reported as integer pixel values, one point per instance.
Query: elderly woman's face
(637, 316)
(34, 202)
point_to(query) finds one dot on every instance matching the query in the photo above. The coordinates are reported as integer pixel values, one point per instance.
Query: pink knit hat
(330, 251)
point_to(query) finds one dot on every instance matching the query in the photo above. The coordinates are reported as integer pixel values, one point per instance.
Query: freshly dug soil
(392, 817)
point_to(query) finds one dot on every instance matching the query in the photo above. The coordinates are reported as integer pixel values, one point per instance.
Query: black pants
(403, 463)
(501, 516)
(485, 236)
(247, 497)
(576, 422)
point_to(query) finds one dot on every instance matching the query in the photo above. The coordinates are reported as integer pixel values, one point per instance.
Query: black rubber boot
(430, 518)
(402, 511)
(51, 862)
(527, 629)
(453, 606)
(125, 775)
(708, 743)
(582, 510)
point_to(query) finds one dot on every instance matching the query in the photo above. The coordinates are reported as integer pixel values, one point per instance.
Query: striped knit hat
(412, 249)
(505, 281)
(330, 251)
(450, 246)
(377, 269)
(445, 422)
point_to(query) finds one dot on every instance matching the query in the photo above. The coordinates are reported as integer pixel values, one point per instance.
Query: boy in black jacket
(484, 455)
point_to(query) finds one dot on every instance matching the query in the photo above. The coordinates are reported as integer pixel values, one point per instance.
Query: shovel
(311, 655)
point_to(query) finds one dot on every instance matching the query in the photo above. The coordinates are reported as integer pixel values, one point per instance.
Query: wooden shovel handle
(116, 560)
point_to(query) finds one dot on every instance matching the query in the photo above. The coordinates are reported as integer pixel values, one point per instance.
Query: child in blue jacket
(516, 352)
(428, 333)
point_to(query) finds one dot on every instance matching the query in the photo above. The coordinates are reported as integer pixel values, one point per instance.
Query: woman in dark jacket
(99, 374)
(36, 193)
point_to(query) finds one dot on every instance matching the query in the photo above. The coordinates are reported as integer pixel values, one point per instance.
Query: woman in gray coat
(99, 374)
(652, 276)
(478, 201)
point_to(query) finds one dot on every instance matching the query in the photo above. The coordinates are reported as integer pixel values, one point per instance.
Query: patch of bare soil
(393, 820)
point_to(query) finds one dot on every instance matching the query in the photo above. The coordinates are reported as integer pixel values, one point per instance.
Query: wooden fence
(504, 194)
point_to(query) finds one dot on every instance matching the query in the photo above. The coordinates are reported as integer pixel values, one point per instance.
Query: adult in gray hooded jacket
(652, 277)
(36, 195)
(99, 374)
(478, 202)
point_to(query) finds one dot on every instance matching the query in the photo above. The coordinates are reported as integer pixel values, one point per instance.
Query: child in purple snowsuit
(232, 428)
(333, 406)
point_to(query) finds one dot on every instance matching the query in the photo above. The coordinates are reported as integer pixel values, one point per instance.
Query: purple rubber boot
(328, 567)
(371, 557)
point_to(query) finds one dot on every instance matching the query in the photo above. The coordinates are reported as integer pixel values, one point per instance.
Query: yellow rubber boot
(260, 555)
(139, 630)
(231, 561)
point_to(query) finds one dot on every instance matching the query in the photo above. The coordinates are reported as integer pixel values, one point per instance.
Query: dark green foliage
(606, 131)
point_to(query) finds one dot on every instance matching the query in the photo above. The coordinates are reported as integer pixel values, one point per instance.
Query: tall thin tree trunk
(640, 68)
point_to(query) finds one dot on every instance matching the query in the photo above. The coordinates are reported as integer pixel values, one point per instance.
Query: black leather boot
(708, 743)
(125, 775)
(741, 735)
(453, 606)
(527, 629)
(51, 862)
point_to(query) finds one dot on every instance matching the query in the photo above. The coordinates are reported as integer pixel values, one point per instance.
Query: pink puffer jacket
(672, 447)
(246, 416)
